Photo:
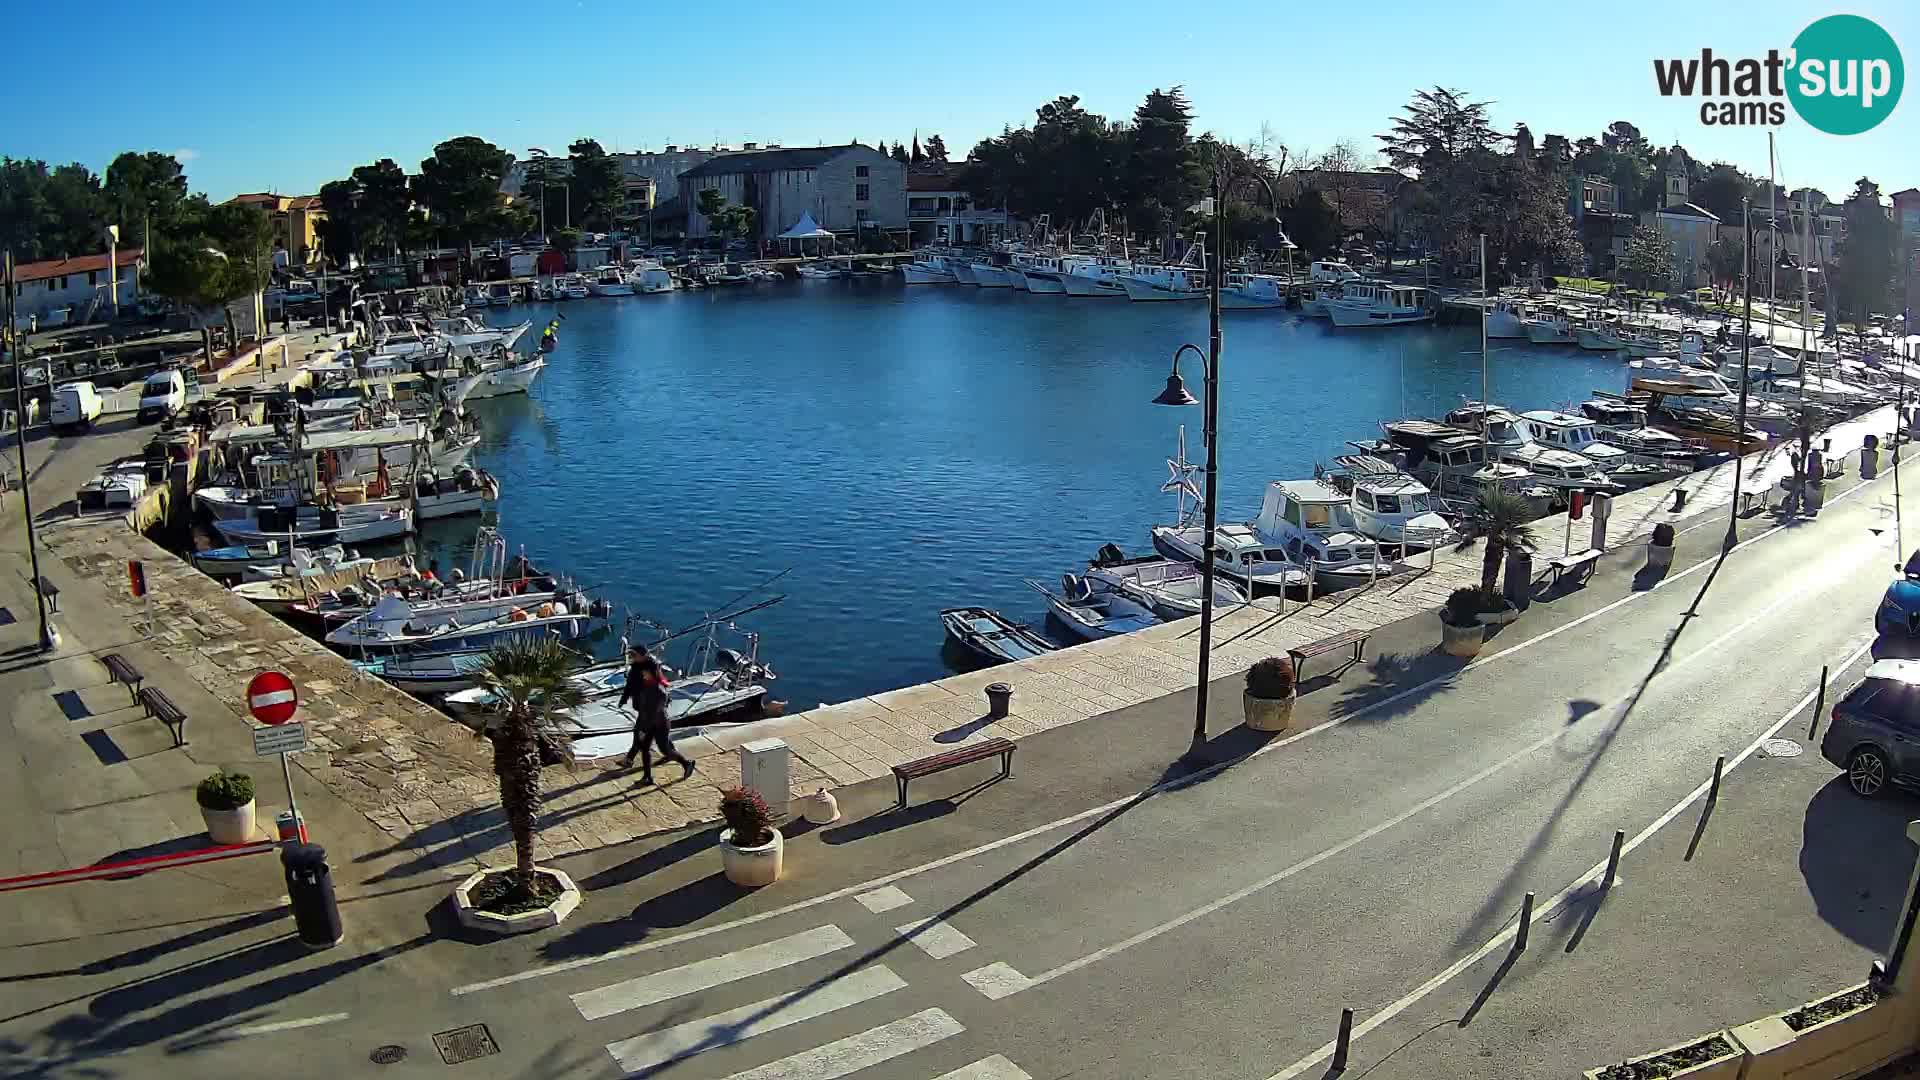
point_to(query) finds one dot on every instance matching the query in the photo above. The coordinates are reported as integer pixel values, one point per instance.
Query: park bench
(1754, 491)
(1573, 564)
(161, 708)
(1300, 654)
(52, 592)
(120, 670)
(965, 755)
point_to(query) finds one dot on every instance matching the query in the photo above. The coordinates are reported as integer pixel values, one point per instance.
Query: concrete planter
(751, 867)
(1844, 1045)
(1268, 714)
(234, 826)
(553, 914)
(1725, 1067)
(820, 808)
(1499, 618)
(1659, 556)
(1461, 640)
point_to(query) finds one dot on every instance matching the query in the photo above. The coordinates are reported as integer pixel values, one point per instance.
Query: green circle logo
(1846, 74)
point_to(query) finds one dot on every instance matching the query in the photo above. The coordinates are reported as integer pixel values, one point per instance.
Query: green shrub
(225, 790)
(1463, 607)
(1663, 535)
(1493, 601)
(1271, 679)
(747, 816)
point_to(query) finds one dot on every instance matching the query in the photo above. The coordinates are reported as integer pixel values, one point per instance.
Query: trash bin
(999, 698)
(1519, 584)
(316, 916)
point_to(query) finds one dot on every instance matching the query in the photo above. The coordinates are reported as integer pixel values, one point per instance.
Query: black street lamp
(1176, 394)
(17, 345)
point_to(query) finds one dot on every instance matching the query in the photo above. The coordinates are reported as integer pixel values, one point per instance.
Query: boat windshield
(1324, 517)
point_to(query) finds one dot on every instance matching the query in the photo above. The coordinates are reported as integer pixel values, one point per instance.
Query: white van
(163, 394)
(75, 405)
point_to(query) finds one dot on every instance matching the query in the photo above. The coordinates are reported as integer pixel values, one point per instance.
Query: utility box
(766, 767)
(1602, 508)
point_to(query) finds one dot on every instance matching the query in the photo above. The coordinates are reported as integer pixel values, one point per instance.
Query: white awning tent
(807, 229)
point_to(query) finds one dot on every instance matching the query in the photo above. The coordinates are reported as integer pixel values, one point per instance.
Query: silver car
(1875, 731)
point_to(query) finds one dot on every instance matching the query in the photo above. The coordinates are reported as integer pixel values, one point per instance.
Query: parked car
(75, 405)
(162, 395)
(1899, 612)
(1875, 730)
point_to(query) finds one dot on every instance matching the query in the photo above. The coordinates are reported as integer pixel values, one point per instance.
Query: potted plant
(1660, 550)
(1460, 630)
(1496, 610)
(750, 847)
(226, 805)
(1269, 696)
(1502, 524)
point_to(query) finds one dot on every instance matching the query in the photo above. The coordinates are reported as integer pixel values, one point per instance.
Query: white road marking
(1561, 898)
(936, 937)
(289, 1025)
(1093, 811)
(856, 1052)
(997, 980)
(987, 1068)
(884, 899)
(711, 972)
(736, 1025)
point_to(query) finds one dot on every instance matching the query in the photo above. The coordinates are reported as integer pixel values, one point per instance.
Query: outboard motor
(1109, 555)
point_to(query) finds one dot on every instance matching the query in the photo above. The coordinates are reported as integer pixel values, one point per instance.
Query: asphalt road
(1214, 928)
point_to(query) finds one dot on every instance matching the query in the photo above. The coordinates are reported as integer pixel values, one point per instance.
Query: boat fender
(557, 609)
(517, 615)
(457, 574)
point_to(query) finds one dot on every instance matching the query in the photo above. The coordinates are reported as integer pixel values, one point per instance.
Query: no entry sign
(271, 697)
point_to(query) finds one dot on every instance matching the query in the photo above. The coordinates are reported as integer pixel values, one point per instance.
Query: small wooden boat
(991, 637)
(1091, 616)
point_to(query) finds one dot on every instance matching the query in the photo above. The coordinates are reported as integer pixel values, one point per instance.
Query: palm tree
(529, 681)
(1502, 522)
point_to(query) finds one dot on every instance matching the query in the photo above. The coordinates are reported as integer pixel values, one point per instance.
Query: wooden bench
(161, 708)
(52, 592)
(120, 670)
(1574, 563)
(1751, 492)
(1300, 654)
(965, 755)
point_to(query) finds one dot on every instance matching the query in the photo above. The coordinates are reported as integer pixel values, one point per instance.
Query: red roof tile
(51, 268)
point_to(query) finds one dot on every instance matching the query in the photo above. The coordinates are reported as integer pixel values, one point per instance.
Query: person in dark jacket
(647, 689)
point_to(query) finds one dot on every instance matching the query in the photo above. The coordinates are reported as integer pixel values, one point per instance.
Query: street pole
(1213, 466)
(49, 637)
(1746, 344)
(113, 268)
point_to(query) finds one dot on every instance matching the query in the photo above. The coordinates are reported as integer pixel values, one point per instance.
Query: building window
(859, 193)
(93, 278)
(859, 170)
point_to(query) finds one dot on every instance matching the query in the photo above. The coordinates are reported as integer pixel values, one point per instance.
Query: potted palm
(226, 805)
(1269, 695)
(1502, 522)
(532, 691)
(750, 847)
(1660, 549)
(1460, 630)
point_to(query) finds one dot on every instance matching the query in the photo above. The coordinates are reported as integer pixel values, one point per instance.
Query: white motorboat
(1171, 588)
(988, 276)
(1510, 440)
(1164, 283)
(1239, 553)
(821, 270)
(1567, 431)
(610, 282)
(396, 625)
(306, 562)
(1367, 303)
(514, 378)
(1104, 276)
(1392, 507)
(1242, 292)
(281, 596)
(1325, 294)
(1331, 270)
(435, 673)
(1090, 616)
(651, 278)
(927, 270)
(1624, 424)
(570, 287)
(1671, 371)
(1314, 524)
(1048, 273)
(463, 331)
(476, 296)
(1549, 326)
(1506, 319)
(311, 524)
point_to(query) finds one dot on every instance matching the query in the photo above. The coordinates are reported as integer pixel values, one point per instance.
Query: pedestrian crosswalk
(808, 1000)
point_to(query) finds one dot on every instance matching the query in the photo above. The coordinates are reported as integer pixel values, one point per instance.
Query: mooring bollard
(1819, 704)
(1344, 1040)
(1526, 920)
(1613, 859)
(1679, 499)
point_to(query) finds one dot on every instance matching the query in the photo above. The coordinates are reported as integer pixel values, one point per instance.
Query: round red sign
(271, 697)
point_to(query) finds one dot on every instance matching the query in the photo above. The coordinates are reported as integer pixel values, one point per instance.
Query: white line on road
(873, 884)
(706, 974)
(290, 1025)
(736, 1025)
(856, 1052)
(936, 937)
(884, 899)
(1561, 898)
(987, 1068)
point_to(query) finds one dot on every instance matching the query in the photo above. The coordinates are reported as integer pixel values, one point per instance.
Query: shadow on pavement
(1386, 694)
(1855, 859)
(658, 859)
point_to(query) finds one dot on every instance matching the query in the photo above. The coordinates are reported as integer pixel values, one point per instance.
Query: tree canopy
(1863, 279)
(594, 178)
(460, 185)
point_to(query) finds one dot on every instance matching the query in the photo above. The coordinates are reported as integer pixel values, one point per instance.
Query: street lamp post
(1176, 394)
(113, 268)
(17, 345)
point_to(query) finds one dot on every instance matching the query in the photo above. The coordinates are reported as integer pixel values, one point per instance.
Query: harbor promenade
(424, 783)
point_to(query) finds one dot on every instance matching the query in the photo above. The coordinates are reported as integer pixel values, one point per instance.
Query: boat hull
(1348, 315)
(508, 380)
(1045, 281)
(1091, 286)
(385, 526)
(1548, 334)
(1505, 326)
(990, 277)
(962, 272)
(916, 274)
(1149, 291)
(1231, 300)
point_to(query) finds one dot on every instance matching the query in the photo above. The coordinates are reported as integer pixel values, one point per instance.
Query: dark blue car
(1899, 614)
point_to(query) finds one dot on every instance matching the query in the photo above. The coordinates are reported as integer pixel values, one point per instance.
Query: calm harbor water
(907, 450)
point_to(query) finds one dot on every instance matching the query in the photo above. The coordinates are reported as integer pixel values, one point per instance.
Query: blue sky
(286, 97)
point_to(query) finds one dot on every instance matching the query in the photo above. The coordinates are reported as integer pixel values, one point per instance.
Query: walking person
(647, 689)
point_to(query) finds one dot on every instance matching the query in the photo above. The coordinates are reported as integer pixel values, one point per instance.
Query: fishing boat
(1313, 523)
(1506, 319)
(989, 637)
(1366, 303)
(598, 680)
(608, 281)
(233, 560)
(1090, 616)
(1103, 276)
(306, 563)
(1165, 283)
(1048, 273)
(962, 269)
(1549, 326)
(425, 675)
(512, 378)
(1171, 588)
(1325, 294)
(316, 524)
(281, 596)
(822, 270)
(1243, 292)
(927, 270)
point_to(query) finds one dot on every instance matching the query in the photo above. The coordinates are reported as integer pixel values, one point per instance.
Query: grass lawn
(1591, 285)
